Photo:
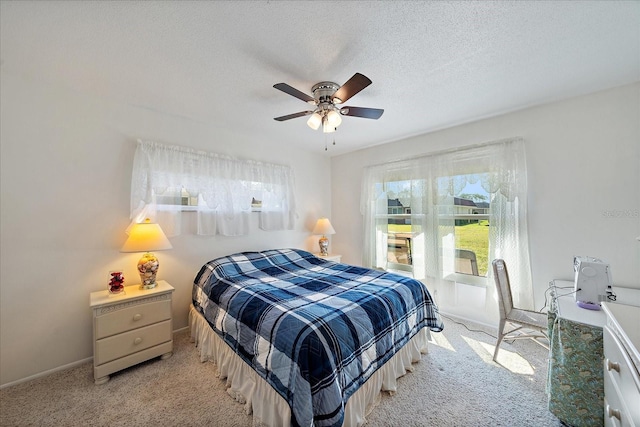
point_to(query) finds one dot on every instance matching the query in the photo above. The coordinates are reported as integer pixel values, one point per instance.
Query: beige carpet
(456, 384)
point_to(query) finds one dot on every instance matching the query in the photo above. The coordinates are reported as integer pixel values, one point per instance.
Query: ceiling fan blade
(367, 113)
(354, 85)
(294, 92)
(293, 116)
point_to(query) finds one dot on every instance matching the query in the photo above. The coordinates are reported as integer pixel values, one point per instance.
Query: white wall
(65, 174)
(583, 159)
(65, 179)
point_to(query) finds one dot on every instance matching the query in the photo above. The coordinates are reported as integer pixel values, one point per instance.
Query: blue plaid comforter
(315, 330)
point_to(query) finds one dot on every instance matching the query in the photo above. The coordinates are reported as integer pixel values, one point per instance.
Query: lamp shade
(146, 237)
(314, 121)
(334, 119)
(323, 226)
(327, 127)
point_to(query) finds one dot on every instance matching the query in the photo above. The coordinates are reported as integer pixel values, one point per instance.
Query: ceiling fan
(326, 98)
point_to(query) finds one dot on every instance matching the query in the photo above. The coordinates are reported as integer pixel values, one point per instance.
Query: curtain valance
(496, 165)
(224, 186)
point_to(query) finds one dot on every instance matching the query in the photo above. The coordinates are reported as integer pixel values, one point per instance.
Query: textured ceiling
(433, 64)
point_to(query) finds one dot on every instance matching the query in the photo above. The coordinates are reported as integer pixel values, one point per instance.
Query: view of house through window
(471, 217)
(399, 233)
(471, 213)
(399, 228)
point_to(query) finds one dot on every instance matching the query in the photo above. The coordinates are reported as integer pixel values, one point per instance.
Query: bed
(304, 341)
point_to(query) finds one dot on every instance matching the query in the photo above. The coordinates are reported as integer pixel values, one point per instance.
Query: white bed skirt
(267, 406)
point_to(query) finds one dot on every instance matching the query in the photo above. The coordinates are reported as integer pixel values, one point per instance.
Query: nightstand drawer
(117, 346)
(135, 316)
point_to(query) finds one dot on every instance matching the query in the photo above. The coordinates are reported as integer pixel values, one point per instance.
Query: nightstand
(130, 328)
(330, 257)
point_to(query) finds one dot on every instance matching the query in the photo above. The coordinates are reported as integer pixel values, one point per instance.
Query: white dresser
(621, 338)
(130, 328)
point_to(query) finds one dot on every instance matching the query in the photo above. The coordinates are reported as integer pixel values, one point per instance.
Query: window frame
(458, 277)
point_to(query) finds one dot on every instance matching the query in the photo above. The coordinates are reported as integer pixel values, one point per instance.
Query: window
(399, 230)
(471, 207)
(167, 180)
(177, 197)
(173, 197)
(443, 217)
(471, 219)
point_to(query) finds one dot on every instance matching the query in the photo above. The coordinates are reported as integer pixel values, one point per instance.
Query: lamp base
(148, 269)
(324, 246)
(149, 286)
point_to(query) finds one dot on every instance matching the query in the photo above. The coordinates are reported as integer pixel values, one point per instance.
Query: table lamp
(147, 237)
(323, 226)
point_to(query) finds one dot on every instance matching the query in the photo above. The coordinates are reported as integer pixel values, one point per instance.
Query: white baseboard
(469, 320)
(60, 368)
(46, 373)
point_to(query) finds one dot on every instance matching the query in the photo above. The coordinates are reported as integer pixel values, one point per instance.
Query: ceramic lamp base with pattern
(148, 269)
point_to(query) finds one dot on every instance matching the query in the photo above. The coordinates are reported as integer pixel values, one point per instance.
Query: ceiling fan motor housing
(323, 91)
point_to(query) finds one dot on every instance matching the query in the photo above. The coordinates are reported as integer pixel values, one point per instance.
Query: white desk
(575, 381)
(568, 309)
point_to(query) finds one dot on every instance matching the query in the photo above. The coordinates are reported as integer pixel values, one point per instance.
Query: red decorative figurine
(116, 280)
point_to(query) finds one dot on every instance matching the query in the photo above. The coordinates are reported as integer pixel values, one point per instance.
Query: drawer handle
(137, 341)
(137, 317)
(613, 366)
(613, 413)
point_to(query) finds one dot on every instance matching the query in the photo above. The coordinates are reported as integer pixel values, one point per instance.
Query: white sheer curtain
(434, 180)
(224, 187)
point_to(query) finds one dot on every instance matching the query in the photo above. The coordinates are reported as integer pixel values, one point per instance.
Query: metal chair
(533, 321)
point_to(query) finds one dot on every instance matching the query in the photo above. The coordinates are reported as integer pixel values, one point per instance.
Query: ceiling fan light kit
(325, 97)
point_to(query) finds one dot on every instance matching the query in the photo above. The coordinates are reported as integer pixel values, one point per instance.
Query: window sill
(468, 279)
